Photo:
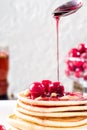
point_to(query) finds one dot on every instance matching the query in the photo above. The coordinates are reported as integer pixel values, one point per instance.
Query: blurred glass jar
(76, 65)
(4, 68)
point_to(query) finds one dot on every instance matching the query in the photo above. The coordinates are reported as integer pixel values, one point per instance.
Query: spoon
(68, 8)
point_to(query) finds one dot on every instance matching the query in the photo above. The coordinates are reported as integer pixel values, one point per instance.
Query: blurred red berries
(76, 64)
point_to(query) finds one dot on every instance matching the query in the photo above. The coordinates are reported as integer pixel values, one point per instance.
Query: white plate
(6, 108)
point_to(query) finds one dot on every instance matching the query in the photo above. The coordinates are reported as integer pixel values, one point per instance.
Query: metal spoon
(68, 8)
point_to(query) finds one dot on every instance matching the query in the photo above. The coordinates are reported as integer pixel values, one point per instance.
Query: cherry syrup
(57, 25)
(64, 10)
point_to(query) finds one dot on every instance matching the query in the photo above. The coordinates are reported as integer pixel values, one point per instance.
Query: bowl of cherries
(76, 63)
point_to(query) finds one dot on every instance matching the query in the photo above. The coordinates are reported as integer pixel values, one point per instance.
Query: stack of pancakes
(66, 113)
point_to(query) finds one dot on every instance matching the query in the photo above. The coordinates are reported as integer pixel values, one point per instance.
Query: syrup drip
(57, 28)
(64, 10)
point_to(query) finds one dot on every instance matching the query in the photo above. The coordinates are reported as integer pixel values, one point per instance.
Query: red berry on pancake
(37, 89)
(46, 84)
(56, 87)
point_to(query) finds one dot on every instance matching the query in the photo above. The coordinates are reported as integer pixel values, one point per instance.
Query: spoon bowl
(68, 8)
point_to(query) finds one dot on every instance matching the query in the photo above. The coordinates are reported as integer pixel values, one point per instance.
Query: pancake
(69, 101)
(20, 124)
(52, 114)
(12, 128)
(44, 109)
(63, 113)
(57, 122)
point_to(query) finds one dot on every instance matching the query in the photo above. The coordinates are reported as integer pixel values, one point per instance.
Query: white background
(28, 28)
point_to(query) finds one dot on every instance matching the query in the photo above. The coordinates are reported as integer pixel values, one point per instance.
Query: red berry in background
(86, 48)
(36, 89)
(46, 84)
(70, 65)
(85, 65)
(2, 127)
(84, 55)
(81, 47)
(67, 72)
(78, 73)
(74, 52)
(78, 63)
(85, 76)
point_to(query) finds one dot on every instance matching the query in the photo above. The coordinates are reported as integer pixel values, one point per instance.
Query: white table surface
(6, 107)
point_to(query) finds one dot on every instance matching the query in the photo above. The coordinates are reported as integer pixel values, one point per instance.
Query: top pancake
(62, 101)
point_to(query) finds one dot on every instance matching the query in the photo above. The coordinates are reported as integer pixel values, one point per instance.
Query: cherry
(86, 49)
(67, 72)
(74, 52)
(60, 90)
(85, 65)
(78, 72)
(56, 87)
(78, 63)
(85, 76)
(46, 84)
(53, 87)
(81, 47)
(70, 65)
(84, 55)
(36, 89)
(2, 127)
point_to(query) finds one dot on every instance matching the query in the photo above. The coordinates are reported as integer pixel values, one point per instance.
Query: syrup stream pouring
(64, 10)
